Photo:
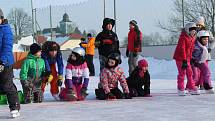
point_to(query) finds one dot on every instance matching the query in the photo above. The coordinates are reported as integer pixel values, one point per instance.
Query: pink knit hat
(142, 63)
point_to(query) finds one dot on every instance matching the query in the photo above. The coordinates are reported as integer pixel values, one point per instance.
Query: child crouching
(110, 75)
(76, 73)
(138, 78)
(31, 74)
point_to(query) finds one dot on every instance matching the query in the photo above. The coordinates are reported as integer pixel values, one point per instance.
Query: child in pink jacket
(77, 77)
(182, 56)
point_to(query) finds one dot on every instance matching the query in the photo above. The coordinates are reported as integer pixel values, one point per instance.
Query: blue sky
(89, 15)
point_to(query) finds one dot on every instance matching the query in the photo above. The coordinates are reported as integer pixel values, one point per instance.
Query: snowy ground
(165, 105)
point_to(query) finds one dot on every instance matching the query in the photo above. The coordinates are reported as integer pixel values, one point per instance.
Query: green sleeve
(24, 70)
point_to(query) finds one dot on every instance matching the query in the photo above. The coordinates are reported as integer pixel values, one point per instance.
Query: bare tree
(21, 23)
(192, 10)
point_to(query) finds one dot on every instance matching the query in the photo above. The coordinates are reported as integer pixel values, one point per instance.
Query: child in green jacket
(31, 74)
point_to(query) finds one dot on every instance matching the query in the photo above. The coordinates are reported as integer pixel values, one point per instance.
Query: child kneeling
(109, 77)
(31, 74)
(138, 78)
(76, 73)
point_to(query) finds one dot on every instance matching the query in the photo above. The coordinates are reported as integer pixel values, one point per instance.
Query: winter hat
(89, 35)
(200, 21)
(107, 21)
(142, 63)
(34, 48)
(133, 22)
(1, 14)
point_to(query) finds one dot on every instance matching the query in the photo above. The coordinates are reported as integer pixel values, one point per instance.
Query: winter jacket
(6, 45)
(107, 42)
(32, 68)
(48, 61)
(134, 44)
(200, 53)
(184, 48)
(110, 77)
(89, 46)
(78, 73)
(134, 80)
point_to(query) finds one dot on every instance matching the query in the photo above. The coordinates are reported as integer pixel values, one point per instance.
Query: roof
(69, 44)
(65, 18)
(26, 40)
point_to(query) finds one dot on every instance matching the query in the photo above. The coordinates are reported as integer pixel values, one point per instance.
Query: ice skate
(15, 113)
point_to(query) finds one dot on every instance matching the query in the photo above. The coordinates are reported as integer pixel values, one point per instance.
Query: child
(200, 57)
(182, 56)
(6, 66)
(31, 75)
(139, 77)
(90, 53)
(110, 75)
(51, 54)
(76, 73)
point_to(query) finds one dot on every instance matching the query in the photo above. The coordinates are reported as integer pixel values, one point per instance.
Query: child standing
(200, 57)
(182, 56)
(51, 54)
(31, 74)
(6, 66)
(110, 75)
(77, 76)
(138, 78)
(90, 46)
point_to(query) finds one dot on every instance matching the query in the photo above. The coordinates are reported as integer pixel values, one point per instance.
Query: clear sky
(89, 15)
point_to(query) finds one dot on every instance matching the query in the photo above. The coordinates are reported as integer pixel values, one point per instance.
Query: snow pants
(181, 75)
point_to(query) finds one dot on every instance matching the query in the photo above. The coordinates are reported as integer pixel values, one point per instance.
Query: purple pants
(202, 75)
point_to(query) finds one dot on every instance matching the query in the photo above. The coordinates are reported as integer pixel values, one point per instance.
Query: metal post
(115, 13)
(183, 12)
(104, 8)
(35, 14)
(51, 22)
(32, 19)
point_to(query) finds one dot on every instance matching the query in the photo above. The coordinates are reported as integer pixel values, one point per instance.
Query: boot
(71, 95)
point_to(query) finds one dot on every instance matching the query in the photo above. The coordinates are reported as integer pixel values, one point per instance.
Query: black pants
(8, 87)
(89, 59)
(100, 93)
(32, 94)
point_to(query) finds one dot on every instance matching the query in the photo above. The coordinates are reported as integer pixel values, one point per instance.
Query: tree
(21, 23)
(192, 10)
(84, 34)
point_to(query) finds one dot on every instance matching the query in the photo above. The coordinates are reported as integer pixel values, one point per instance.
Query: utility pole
(104, 8)
(183, 12)
(32, 19)
(51, 23)
(115, 13)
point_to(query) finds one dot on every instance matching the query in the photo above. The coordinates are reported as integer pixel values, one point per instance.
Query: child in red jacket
(182, 56)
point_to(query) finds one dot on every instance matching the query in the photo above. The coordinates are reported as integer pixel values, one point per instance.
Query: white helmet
(189, 25)
(79, 51)
(203, 33)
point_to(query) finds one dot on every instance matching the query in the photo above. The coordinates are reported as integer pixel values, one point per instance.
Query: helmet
(203, 33)
(115, 56)
(189, 26)
(79, 51)
(200, 21)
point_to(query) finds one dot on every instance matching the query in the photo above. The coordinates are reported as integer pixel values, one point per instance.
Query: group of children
(39, 69)
(192, 55)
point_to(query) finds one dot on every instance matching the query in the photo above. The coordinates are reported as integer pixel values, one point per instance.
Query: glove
(127, 96)
(50, 78)
(184, 65)
(110, 96)
(134, 54)
(1, 66)
(127, 53)
(60, 80)
(209, 50)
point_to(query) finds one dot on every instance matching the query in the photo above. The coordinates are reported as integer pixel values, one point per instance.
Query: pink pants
(181, 74)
